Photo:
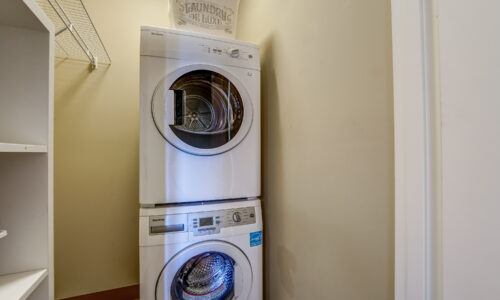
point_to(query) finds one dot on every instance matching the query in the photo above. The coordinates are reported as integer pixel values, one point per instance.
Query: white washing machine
(200, 118)
(201, 252)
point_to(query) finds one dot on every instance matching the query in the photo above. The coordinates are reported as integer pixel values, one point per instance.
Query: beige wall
(327, 149)
(96, 155)
(327, 146)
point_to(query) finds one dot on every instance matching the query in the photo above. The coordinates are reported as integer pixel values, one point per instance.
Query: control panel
(232, 52)
(169, 43)
(202, 223)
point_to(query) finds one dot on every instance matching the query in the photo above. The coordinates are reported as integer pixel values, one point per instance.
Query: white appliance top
(197, 47)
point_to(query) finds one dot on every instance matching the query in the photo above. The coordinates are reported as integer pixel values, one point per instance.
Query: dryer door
(202, 110)
(212, 270)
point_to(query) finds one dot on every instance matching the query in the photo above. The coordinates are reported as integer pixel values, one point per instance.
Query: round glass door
(212, 270)
(209, 275)
(201, 111)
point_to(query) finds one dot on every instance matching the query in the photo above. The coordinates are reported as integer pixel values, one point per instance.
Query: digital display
(206, 221)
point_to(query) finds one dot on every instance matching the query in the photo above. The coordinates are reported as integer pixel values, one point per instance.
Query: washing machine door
(202, 110)
(212, 270)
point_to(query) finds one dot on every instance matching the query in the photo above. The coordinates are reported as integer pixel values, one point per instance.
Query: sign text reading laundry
(205, 14)
(207, 8)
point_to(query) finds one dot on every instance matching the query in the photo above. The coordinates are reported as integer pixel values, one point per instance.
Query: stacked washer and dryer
(200, 216)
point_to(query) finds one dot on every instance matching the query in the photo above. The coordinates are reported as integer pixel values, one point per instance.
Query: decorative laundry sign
(256, 238)
(214, 16)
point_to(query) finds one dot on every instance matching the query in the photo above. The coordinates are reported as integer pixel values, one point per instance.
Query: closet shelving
(76, 35)
(20, 285)
(9, 147)
(26, 151)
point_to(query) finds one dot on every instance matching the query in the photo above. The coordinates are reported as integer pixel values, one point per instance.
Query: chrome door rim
(175, 141)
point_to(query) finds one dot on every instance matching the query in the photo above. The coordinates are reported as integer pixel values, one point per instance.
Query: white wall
(470, 85)
(447, 71)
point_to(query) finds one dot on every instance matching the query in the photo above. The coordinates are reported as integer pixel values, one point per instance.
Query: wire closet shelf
(76, 35)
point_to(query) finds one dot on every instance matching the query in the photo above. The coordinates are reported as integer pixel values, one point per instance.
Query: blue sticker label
(255, 238)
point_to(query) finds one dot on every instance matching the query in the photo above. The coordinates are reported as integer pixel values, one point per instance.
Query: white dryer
(201, 252)
(200, 118)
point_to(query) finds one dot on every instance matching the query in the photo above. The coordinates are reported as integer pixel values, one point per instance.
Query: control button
(233, 52)
(236, 217)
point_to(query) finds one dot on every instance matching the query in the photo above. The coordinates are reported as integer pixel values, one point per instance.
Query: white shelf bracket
(94, 63)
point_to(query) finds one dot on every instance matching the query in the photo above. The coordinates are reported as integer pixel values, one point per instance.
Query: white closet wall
(26, 151)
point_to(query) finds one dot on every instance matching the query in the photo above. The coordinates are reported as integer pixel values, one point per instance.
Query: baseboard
(124, 293)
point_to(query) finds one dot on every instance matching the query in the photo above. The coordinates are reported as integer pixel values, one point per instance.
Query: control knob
(237, 217)
(233, 52)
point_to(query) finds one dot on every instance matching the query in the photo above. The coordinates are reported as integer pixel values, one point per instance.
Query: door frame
(417, 149)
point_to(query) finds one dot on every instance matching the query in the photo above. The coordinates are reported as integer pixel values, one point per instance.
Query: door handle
(174, 110)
